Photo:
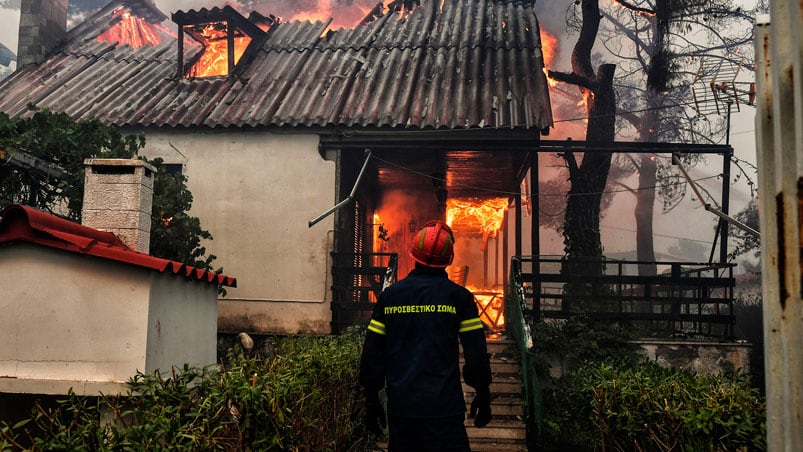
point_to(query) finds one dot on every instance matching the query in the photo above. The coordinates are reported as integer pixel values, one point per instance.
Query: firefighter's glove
(481, 407)
(374, 413)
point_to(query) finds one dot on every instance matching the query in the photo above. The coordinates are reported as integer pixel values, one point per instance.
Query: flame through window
(214, 59)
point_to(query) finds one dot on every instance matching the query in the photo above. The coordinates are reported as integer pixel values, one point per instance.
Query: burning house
(313, 154)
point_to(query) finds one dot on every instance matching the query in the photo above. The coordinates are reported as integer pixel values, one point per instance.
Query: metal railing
(518, 328)
(693, 300)
(357, 281)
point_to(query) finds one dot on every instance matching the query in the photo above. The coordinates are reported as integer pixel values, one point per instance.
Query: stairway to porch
(507, 429)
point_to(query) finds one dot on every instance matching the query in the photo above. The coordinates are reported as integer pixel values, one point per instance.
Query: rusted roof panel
(444, 65)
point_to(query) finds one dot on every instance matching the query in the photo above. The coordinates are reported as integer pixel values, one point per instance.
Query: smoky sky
(345, 13)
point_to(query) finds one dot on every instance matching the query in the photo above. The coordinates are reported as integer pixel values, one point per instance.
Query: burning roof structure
(442, 65)
(270, 121)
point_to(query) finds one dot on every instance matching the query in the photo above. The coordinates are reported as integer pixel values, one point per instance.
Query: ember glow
(130, 30)
(490, 304)
(215, 58)
(587, 95)
(482, 216)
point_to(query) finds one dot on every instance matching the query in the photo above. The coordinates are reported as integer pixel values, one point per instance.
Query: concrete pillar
(43, 26)
(118, 196)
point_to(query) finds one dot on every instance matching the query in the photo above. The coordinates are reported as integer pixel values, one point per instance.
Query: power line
(502, 192)
(661, 235)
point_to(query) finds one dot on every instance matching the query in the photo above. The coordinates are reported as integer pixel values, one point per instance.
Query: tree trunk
(581, 232)
(581, 235)
(657, 82)
(645, 201)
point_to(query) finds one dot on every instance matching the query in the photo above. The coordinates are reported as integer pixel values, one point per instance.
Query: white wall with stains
(255, 192)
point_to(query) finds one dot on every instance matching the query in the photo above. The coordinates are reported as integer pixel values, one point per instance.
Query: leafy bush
(579, 340)
(57, 139)
(304, 397)
(647, 407)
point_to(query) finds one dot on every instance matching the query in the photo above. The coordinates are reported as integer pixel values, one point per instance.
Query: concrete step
(502, 406)
(500, 347)
(506, 407)
(498, 446)
(507, 430)
(503, 366)
(499, 387)
(507, 434)
(497, 429)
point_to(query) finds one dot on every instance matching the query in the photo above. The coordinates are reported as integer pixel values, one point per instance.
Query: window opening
(223, 35)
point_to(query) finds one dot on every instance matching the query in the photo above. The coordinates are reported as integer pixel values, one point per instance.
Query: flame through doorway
(477, 224)
(471, 180)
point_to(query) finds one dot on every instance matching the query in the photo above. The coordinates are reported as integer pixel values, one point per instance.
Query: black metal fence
(692, 300)
(357, 281)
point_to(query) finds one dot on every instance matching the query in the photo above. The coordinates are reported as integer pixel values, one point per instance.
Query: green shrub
(304, 397)
(579, 340)
(647, 407)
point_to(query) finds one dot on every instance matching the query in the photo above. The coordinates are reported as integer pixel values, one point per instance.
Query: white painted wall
(255, 192)
(72, 320)
(69, 318)
(182, 323)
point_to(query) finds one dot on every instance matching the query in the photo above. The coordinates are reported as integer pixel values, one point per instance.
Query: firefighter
(412, 347)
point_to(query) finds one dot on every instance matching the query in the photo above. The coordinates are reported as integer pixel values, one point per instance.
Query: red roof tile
(25, 224)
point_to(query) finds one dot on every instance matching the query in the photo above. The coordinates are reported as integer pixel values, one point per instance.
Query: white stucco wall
(76, 321)
(182, 323)
(67, 319)
(255, 192)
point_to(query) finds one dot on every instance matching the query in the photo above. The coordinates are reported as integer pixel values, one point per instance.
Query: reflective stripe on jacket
(412, 343)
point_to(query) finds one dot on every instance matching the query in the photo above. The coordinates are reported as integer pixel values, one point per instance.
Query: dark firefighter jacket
(412, 343)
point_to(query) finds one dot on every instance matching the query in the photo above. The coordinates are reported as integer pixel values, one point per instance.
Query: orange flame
(215, 58)
(491, 306)
(484, 216)
(587, 95)
(549, 47)
(130, 30)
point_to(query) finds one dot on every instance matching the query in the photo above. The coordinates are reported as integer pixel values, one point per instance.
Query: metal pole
(535, 231)
(779, 149)
(350, 198)
(518, 222)
(726, 179)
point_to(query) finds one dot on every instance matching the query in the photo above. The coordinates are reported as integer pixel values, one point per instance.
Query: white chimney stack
(118, 196)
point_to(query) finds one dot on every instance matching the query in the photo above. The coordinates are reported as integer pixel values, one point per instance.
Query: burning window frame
(234, 27)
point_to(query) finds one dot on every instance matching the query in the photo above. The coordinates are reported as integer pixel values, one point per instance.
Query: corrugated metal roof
(24, 224)
(450, 64)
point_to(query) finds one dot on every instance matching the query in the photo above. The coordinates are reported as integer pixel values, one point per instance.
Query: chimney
(118, 195)
(43, 26)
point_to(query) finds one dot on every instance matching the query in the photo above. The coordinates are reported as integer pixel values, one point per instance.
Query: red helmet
(433, 245)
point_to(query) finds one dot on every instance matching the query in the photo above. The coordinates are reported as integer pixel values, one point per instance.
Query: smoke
(345, 13)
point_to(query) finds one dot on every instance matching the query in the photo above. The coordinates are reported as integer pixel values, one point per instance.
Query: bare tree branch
(634, 8)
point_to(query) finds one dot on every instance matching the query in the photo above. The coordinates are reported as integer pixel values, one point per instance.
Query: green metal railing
(518, 329)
